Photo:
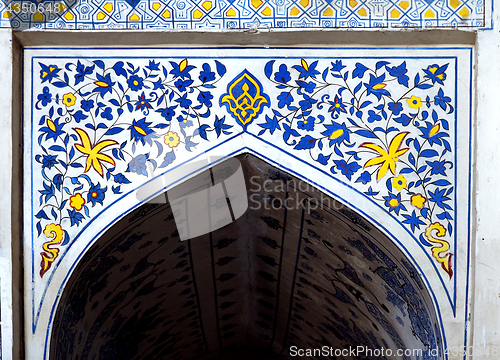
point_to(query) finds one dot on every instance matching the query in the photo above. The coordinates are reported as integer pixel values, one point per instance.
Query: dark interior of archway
(276, 280)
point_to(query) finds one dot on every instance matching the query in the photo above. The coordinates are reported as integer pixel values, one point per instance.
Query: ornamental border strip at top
(243, 14)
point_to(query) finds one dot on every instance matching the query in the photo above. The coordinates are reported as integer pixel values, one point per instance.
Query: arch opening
(297, 272)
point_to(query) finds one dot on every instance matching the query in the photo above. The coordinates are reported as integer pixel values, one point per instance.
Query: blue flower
(364, 178)
(359, 71)
(336, 105)
(396, 108)
(138, 165)
(158, 85)
(53, 129)
(441, 100)
(48, 72)
(432, 133)
(81, 71)
(403, 119)
(135, 82)
(183, 122)
(204, 98)
(306, 124)
(181, 69)
(307, 102)
(167, 113)
(153, 65)
(104, 84)
(308, 87)
(347, 169)
(337, 66)
(285, 98)
(202, 131)
(121, 179)
(79, 116)
(107, 114)
(48, 191)
(142, 103)
(413, 220)
(220, 127)
(48, 161)
(270, 124)
(436, 73)
(87, 104)
(139, 130)
(372, 116)
(322, 159)
(75, 217)
(45, 97)
(306, 70)
(399, 72)
(438, 167)
(393, 202)
(96, 194)
(57, 181)
(336, 132)
(182, 84)
(376, 86)
(283, 75)
(184, 101)
(206, 74)
(439, 197)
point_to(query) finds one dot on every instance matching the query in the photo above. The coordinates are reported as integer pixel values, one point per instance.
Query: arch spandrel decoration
(375, 129)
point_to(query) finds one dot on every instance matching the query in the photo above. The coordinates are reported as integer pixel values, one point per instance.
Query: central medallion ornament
(245, 99)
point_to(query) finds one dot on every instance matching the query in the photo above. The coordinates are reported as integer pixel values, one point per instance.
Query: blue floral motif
(45, 97)
(283, 75)
(135, 82)
(207, 74)
(96, 194)
(347, 169)
(138, 165)
(75, 217)
(372, 116)
(393, 202)
(397, 136)
(395, 107)
(285, 98)
(48, 72)
(104, 91)
(87, 104)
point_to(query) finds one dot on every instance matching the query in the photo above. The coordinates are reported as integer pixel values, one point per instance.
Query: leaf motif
(268, 69)
(221, 68)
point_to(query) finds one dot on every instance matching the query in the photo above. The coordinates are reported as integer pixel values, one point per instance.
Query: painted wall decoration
(215, 14)
(382, 127)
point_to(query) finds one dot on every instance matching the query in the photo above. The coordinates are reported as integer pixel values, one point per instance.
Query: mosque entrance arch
(296, 271)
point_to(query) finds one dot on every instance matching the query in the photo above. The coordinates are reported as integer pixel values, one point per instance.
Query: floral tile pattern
(217, 14)
(385, 127)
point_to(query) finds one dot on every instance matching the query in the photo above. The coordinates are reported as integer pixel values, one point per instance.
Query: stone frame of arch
(288, 161)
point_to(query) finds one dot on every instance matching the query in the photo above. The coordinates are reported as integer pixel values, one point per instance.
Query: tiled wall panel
(386, 132)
